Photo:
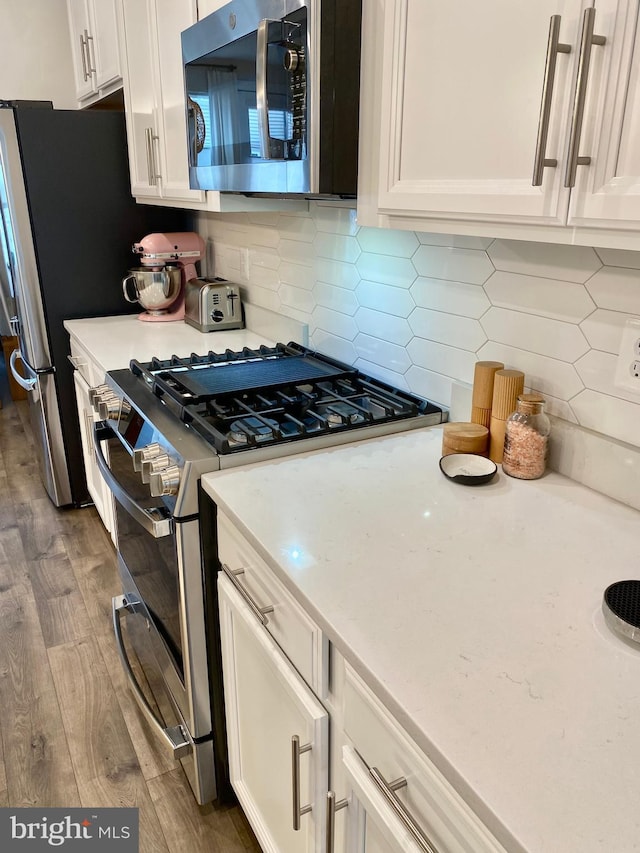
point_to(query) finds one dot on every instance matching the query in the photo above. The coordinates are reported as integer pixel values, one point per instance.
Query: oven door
(160, 569)
(247, 103)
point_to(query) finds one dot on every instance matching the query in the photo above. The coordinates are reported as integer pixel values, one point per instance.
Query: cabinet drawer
(428, 798)
(85, 366)
(298, 636)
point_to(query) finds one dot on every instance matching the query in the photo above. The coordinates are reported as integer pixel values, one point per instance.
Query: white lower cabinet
(358, 783)
(398, 799)
(278, 733)
(86, 376)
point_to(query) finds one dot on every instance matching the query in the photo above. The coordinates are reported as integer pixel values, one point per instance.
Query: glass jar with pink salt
(526, 439)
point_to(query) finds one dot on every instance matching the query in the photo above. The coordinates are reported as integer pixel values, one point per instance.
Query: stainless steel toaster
(212, 305)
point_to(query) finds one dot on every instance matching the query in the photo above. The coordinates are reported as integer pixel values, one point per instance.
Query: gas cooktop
(271, 395)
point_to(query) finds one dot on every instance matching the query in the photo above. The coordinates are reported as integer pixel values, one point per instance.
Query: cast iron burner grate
(621, 608)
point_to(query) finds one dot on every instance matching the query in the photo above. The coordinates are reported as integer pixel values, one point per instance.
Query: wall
(36, 53)
(419, 309)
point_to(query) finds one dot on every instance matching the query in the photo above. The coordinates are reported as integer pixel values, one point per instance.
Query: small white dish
(468, 468)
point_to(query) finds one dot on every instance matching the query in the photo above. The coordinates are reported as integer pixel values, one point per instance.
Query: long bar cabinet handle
(152, 171)
(388, 789)
(296, 752)
(258, 612)
(587, 41)
(332, 808)
(90, 53)
(173, 736)
(85, 73)
(554, 47)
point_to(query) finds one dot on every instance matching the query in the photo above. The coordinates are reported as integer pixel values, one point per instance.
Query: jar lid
(465, 436)
(530, 404)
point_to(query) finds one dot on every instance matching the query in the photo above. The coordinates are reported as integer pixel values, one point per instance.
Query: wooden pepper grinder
(506, 387)
(482, 397)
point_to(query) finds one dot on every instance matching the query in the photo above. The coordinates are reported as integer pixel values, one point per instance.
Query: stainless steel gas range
(166, 423)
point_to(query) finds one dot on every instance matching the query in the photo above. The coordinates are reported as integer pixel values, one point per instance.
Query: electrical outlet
(627, 374)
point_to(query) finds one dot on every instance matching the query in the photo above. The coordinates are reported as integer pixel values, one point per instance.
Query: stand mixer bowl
(155, 288)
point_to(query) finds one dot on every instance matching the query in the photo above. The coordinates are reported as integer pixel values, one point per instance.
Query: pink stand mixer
(167, 263)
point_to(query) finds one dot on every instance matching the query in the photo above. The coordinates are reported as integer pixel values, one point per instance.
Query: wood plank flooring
(70, 733)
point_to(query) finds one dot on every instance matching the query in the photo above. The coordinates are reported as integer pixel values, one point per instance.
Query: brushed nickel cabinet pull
(388, 789)
(588, 39)
(148, 137)
(258, 612)
(91, 59)
(332, 808)
(296, 752)
(85, 73)
(554, 47)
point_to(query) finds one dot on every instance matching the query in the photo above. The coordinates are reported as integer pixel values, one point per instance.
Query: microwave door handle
(157, 526)
(262, 99)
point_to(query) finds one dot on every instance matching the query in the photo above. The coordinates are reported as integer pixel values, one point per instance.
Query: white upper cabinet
(505, 113)
(95, 48)
(607, 191)
(154, 101)
(155, 111)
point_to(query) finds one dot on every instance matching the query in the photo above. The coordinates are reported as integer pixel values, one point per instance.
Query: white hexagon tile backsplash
(418, 310)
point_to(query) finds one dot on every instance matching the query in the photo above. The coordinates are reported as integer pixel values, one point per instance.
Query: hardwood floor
(70, 733)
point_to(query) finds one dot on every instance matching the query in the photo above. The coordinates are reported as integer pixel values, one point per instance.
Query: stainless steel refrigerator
(67, 226)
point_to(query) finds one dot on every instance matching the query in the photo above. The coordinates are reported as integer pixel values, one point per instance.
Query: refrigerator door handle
(30, 382)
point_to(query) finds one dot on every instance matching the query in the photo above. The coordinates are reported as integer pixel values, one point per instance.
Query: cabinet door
(607, 190)
(267, 704)
(375, 826)
(461, 87)
(95, 484)
(104, 49)
(171, 17)
(80, 26)
(140, 99)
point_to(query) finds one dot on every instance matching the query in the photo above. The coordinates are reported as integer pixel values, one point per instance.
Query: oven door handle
(158, 527)
(173, 736)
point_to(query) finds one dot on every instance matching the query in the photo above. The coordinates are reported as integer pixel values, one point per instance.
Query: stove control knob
(165, 482)
(98, 391)
(111, 407)
(101, 394)
(152, 466)
(144, 454)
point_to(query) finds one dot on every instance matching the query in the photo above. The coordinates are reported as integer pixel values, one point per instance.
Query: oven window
(152, 563)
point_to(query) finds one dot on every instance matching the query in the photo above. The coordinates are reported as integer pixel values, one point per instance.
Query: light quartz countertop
(112, 342)
(474, 613)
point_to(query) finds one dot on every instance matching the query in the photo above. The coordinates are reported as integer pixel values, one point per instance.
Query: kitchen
(417, 308)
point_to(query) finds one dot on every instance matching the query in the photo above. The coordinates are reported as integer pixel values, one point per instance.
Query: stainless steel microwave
(272, 90)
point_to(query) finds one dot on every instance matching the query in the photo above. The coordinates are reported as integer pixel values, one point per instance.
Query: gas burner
(252, 430)
(338, 414)
(272, 395)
